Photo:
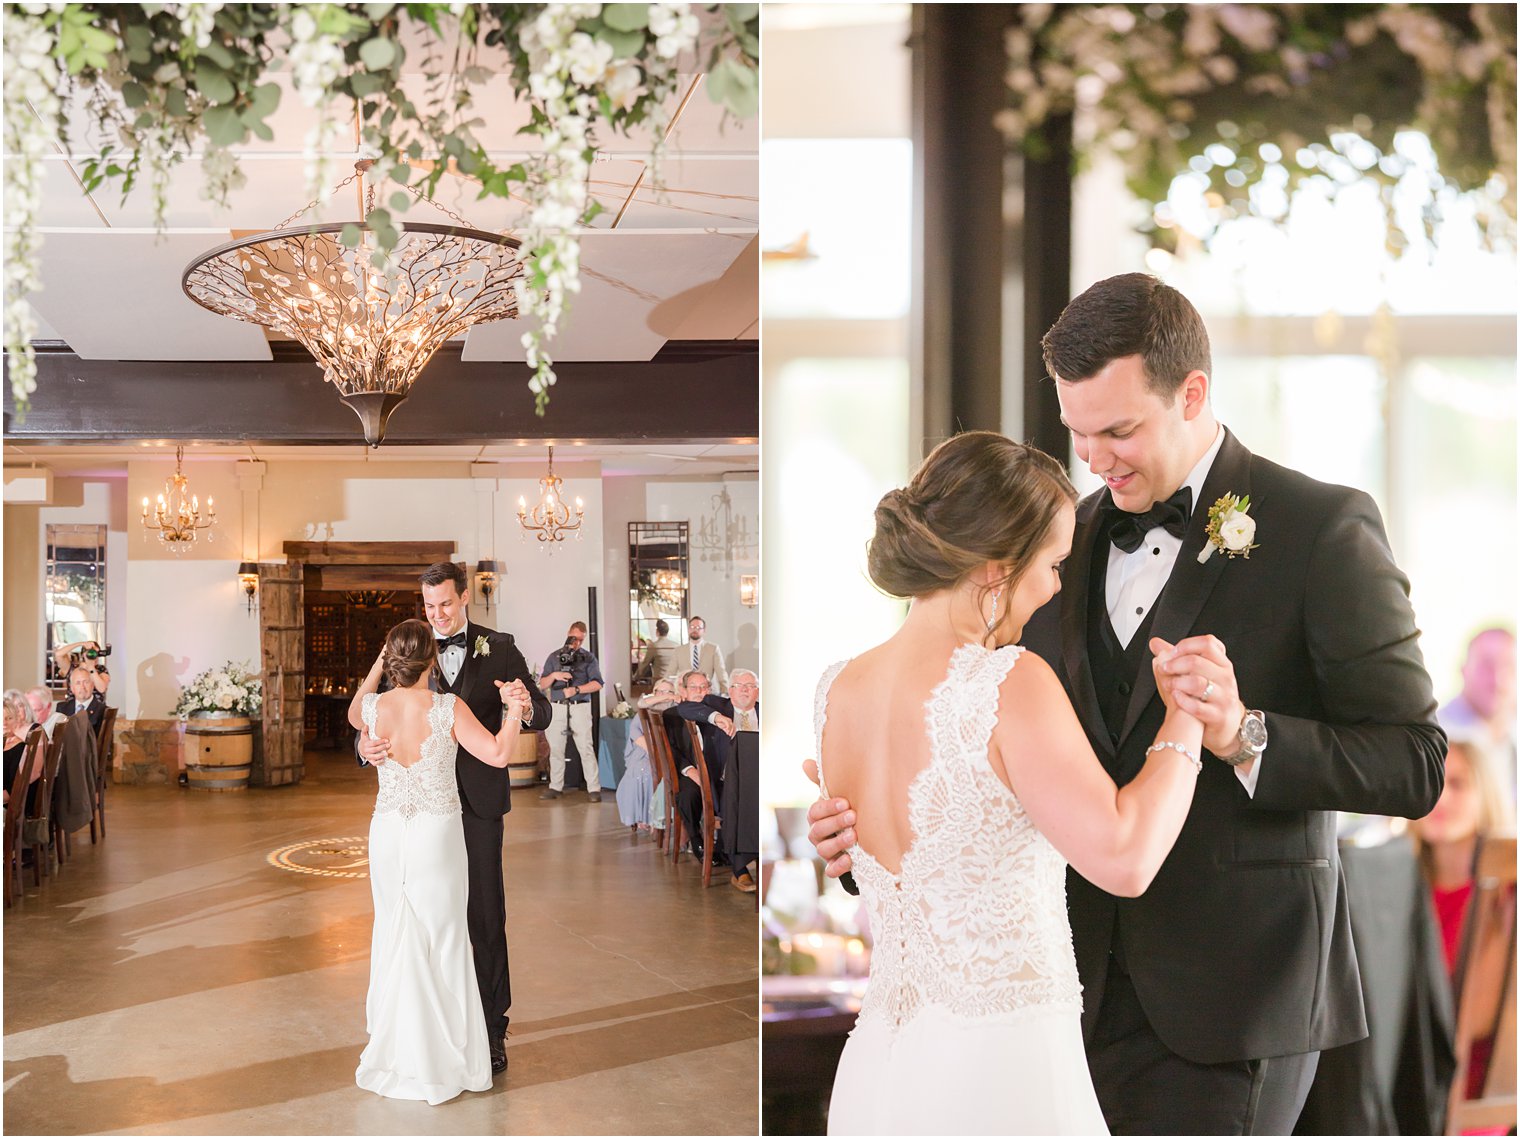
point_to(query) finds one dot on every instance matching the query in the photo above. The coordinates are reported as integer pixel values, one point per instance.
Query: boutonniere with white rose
(1230, 529)
(482, 647)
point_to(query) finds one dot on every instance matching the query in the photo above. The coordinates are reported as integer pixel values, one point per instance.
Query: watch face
(1253, 730)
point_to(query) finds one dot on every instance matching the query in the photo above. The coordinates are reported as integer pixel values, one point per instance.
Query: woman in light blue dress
(636, 790)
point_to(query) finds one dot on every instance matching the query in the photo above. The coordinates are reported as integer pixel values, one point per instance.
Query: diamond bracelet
(1192, 756)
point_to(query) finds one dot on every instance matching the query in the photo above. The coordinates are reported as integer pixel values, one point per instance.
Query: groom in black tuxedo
(472, 658)
(1207, 1000)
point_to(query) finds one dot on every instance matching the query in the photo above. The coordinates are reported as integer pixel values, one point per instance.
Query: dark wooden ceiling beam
(692, 392)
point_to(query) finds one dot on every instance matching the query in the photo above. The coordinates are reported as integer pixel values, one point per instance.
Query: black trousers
(1145, 1088)
(486, 917)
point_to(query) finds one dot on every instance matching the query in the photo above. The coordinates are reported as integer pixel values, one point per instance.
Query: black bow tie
(1128, 530)
(457, 639)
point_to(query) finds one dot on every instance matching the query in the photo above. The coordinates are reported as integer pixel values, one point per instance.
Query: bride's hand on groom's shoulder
(832, 830)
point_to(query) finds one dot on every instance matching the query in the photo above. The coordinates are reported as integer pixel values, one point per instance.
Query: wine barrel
(218, 752)
(522, 764)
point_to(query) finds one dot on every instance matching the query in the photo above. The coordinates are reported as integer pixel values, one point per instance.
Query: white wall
(724, 515)
(173, 616)
(187, 612)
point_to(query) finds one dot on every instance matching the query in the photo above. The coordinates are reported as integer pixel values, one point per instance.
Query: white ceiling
(657, 265)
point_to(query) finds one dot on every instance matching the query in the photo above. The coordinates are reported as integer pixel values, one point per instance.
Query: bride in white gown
(427, 1038)
(973, 785)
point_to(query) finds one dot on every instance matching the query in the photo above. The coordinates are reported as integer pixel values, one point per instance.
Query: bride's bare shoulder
(1032, 687)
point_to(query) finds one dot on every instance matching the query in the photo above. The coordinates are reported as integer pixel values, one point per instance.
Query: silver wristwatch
(1253, 739)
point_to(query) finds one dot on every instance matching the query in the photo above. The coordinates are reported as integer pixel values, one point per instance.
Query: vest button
(1124, 688)
(1113, 738)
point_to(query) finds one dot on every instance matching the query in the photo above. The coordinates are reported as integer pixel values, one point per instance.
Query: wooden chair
(709, 818)
(58, 838)
(1485, 992)
(105, 753)
(674, 831)
(15, 812)
(659, 752)
(37, 823)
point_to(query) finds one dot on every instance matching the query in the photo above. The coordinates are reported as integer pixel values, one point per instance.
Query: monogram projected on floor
(324, 857)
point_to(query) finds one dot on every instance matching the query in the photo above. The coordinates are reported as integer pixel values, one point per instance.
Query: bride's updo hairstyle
(979, 497)
(410, 651)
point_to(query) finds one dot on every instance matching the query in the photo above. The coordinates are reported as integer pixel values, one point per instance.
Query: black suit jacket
(1241, 947)
(485, 790)
(716, 745)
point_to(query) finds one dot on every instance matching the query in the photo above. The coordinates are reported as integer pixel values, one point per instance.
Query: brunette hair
(410, 650)
(979, 497)
(1132, 314)
(440, 572)
(661, 627)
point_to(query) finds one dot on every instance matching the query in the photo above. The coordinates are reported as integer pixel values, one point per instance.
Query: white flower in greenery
(624, 86)
(588, 58)
(1236, 532)
(1230, 528)
(482, 647)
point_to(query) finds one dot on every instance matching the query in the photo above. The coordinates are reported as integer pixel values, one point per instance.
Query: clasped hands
(514, 700)
(1195, 676)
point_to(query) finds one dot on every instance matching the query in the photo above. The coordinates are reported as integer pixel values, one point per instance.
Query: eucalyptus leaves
(168, 80)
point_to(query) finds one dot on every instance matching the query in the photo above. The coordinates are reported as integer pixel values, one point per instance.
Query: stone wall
(147, 751)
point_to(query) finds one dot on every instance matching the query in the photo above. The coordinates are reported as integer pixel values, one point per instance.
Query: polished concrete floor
(182, 978)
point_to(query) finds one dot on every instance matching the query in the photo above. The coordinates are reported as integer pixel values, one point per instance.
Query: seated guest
(18, 725)
(84, 695)
(40, 699)
(635, 791)
(1470, 808)
(739, 711)
(660, 655)
(1483, 713)
(694, 687)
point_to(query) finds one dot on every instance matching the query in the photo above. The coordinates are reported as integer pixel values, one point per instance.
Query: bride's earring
(992, 620)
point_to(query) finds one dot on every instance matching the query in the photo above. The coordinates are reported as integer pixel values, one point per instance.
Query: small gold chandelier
(177, 516)
(370, 330)
(550, 517)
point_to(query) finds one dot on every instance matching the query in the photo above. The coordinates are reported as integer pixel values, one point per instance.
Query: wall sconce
(248, 578)
(749, 590)
(485, 579)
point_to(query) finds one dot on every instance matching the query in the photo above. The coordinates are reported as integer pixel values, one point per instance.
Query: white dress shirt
(451, 660)
(1136, 579)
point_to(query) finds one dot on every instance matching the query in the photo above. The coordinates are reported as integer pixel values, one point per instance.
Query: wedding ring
(1208, 690)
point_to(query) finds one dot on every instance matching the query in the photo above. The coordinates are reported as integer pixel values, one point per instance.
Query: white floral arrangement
(623, 711)
(231, 689)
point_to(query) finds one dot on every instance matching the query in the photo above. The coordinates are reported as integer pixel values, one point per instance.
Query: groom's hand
(372, 751)
(1205, 687)
(832, 831)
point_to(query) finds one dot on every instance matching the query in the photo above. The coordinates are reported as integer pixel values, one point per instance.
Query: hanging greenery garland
(1258, 99)
(164, 81)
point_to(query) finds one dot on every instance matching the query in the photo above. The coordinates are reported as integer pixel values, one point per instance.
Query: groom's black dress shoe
(498, 1056)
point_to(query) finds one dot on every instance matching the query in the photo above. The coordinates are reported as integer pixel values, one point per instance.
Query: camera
(569, 654)
(95, 654)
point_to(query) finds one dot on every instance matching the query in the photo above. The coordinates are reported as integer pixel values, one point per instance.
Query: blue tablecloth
(611, 745)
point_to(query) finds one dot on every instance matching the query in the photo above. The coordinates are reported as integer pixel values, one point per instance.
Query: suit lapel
(1191, 583)
(464, 683)
(1074, 590)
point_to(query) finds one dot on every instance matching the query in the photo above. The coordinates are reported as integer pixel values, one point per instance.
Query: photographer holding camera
(570, 676)
(89, 656)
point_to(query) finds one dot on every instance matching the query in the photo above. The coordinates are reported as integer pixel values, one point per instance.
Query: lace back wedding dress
(427, 1036)
(971, 1021)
